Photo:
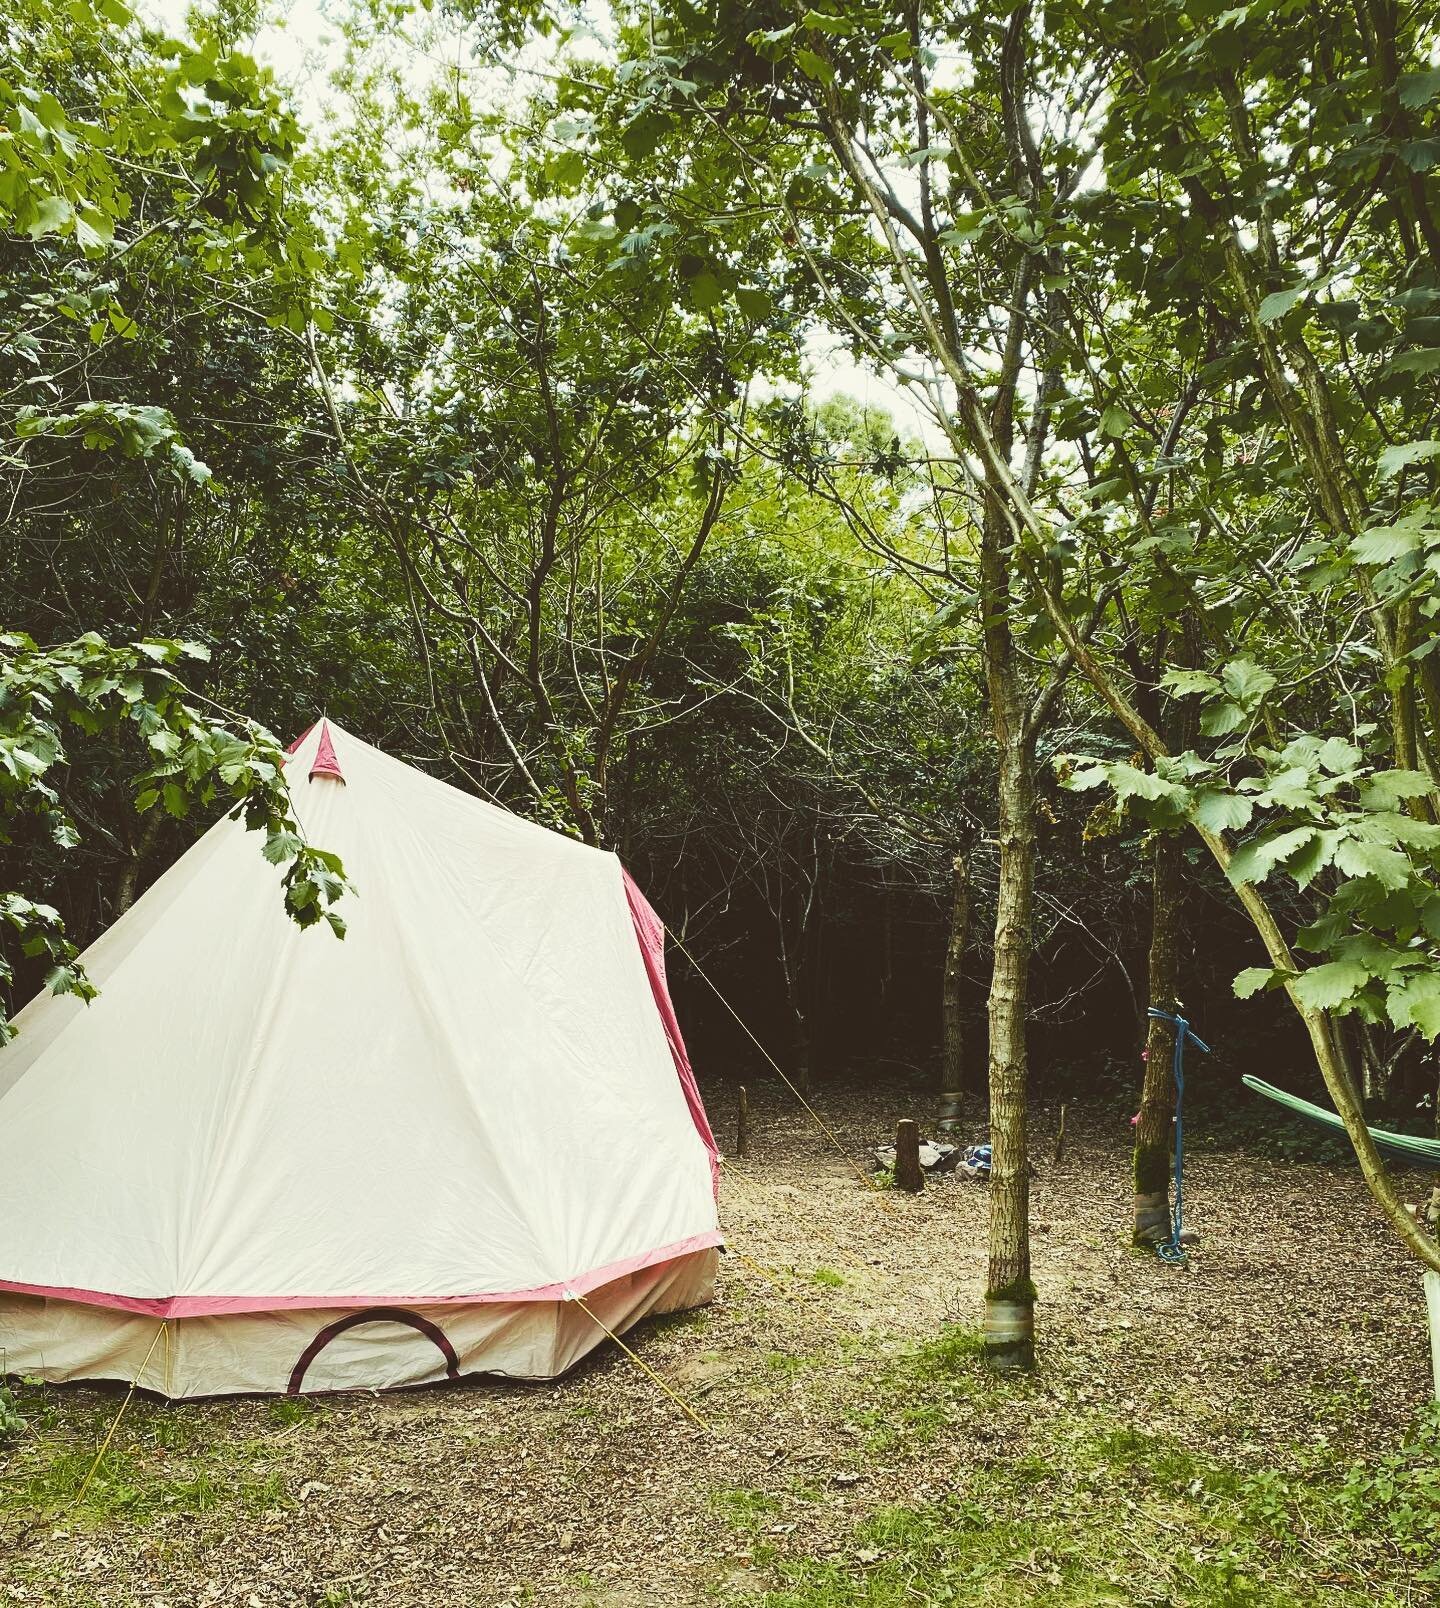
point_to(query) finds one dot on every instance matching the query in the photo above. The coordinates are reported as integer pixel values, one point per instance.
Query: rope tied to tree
(1171, 1250)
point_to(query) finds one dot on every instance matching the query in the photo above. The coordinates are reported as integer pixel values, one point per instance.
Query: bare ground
(1295, 1333)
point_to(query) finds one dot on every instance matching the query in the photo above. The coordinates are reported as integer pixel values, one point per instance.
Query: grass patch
(162, 1460)
(827, 1277)
(743, 1507)
(287, 1411)
(789, 1363)
(954, 1351)
(1112, 1515)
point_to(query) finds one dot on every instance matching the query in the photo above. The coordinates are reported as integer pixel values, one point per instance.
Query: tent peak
(325, 763)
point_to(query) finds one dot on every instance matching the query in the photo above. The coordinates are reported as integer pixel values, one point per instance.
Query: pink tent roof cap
(325, 762)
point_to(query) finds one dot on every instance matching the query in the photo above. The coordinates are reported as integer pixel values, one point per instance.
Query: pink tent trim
(650, 930)
(201, 1306)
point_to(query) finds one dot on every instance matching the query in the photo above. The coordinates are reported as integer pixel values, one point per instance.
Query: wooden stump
(742, 1122)
(907, 1157)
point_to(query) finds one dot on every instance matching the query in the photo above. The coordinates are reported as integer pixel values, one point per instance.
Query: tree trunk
(792, 961)
(804, 1073)
(1157, 1098)
(1009, 1294)
(742, 1122)
(1433, 1209)
(127, 879)
(952, 1065)
(1374, 1069)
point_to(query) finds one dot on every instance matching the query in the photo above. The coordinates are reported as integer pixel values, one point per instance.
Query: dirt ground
(1297, 1327)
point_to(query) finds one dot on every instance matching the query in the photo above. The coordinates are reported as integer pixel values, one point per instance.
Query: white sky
(304, 47)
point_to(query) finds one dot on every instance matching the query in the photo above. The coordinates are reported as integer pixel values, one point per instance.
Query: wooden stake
(907, 1157)
(742, 1123)
(1060, 1136)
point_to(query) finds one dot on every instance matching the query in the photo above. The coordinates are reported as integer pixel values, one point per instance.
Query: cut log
(908, 1174)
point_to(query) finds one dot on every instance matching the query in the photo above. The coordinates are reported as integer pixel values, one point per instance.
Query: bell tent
(465, 1139)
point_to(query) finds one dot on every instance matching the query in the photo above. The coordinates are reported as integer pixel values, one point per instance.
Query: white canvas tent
(269, 1160)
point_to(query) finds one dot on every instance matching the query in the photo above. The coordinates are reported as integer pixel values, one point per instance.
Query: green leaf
(1419, 360)
(1388, 788)
(1394, 459)
(1082, 781)
(566, 171)
(1420, 155)
(1339, 756)
(1416, 1003)
(1128, 782)
(1357, 858)
(1253, 979)
(1279, 302)
(815, 66)
(93, 229)
(280, 847)
(48, 216)
(1331, 984)
(1382, 544)
(705, 290)
(61, 980)
(1290, 789)
(1218, 811)
(175, 801)
(1418, 88)
(1305, 866)
(1221, 718)
(1246, 682)
(754, 303)
(1115, 422)
(1255, 860)
(1187, 683)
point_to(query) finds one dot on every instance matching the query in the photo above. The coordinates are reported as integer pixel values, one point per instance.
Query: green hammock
(1418, 1152)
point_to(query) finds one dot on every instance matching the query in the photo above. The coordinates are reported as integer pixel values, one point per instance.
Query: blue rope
(1172, 1251)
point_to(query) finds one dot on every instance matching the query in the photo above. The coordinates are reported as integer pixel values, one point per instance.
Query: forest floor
(1250, 1429)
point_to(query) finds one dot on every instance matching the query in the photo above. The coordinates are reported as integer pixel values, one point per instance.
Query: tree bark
(1009, 1293)
(127, 879)
(952, 1064)
(1157, 1098)
(742, 1122)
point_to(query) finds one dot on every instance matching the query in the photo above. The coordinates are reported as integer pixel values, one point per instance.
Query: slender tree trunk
(952, 1062)
(127, 879)
(887, 946)
(800, 1044)
(1433, 1208)
(792, 966)
(1375, 1070)
(1009, 1293)
(1157, 1098)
